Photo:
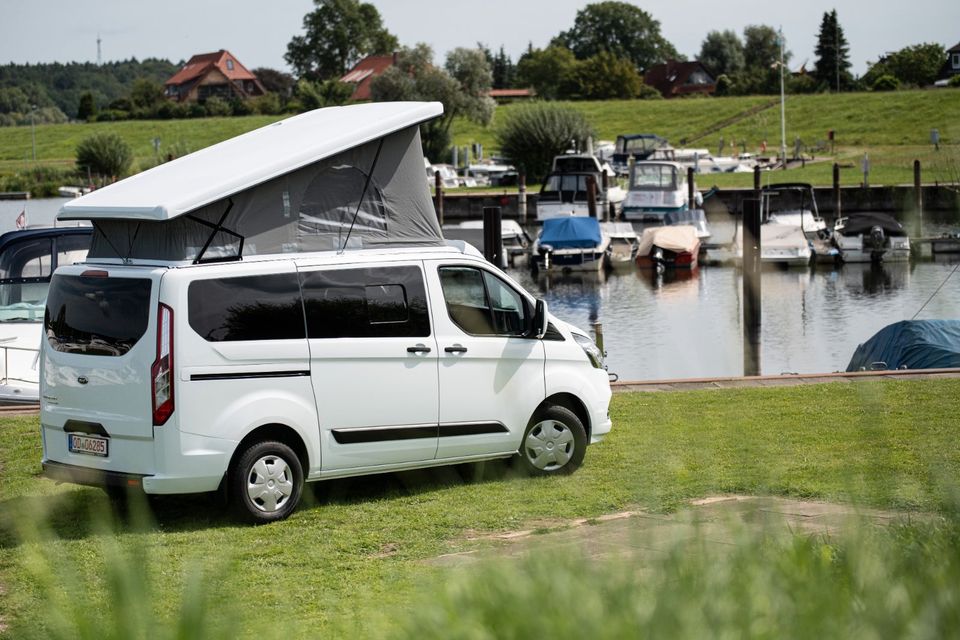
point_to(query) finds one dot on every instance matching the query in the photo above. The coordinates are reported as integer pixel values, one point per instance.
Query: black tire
(554, 443)
(275, 467)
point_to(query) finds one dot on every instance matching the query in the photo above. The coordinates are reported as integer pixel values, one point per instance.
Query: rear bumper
(92, 477)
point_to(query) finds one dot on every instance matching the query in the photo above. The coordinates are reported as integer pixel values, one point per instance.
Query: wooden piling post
(604, 183)
(918, 195)
(691, 190)
(592, 196)
(756, 179)
(439, 196)
(522, 198)
(493, 236)
(837, 210)
(751, 287)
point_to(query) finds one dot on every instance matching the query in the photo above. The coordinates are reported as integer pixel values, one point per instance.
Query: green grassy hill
(893, 128)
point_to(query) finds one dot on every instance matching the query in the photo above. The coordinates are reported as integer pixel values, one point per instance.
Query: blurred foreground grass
(352, 560)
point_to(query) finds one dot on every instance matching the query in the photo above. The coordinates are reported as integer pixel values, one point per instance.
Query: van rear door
(97, 353)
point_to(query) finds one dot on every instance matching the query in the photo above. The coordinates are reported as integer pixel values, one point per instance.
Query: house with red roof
(675, 78)
(363, 73)
(213, 74)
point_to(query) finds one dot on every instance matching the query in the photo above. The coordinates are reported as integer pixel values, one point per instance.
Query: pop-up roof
(327, 179)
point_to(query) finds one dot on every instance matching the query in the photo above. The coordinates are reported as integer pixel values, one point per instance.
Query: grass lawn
(352, 561)
(894, 128)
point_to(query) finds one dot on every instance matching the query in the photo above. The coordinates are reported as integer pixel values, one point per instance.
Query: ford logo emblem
(82, 380)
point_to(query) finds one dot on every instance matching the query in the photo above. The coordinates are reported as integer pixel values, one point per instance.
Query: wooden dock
(14, 195)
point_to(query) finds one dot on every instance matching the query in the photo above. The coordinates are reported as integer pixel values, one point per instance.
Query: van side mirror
(538, 324)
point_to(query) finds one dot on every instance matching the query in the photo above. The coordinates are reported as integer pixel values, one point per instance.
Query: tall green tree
(832, 68)
(761, 73)
(551, 72)
(917, 65)
(338, 33)
(462, 88)
(621, 28)
(504, 71)
(605, 77)
(87, 108)
(722, 52)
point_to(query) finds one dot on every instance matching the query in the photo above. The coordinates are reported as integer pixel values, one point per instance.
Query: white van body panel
(496, 381)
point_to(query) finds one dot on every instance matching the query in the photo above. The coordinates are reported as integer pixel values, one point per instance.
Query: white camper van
(282, 307)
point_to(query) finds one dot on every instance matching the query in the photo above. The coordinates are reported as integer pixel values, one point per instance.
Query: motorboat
(636, 146)
(655, 189)
(792, 204)
(516, 241)
(624, 243)
(668, 247)
(910, 344)
(783, 244)
(28, 258)
(571, 243)
(564, 191)
(871, 237)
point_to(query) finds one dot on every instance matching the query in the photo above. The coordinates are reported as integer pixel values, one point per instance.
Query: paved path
(741, 382)
(719, 522)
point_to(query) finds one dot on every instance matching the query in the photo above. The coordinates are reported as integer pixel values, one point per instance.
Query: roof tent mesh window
(371, 195)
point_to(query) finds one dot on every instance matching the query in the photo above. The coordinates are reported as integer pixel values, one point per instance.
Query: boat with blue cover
(910, 344)
(570, 244)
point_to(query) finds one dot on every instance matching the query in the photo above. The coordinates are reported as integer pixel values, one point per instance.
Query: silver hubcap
(549, 445)
(270, 483)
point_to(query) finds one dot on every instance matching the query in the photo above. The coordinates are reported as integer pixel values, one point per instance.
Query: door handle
(418, 349)
(456, 349)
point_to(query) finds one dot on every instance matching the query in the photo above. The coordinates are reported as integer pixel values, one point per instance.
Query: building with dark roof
(675, 78)
(951, 67)
(213, 74)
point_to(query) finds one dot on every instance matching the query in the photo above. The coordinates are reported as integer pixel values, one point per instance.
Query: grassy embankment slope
(894, 128)
(352, 563)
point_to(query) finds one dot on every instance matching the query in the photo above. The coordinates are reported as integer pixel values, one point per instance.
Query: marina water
(685, 325)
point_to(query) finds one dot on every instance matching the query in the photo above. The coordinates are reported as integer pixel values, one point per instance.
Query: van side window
(481, 303)
(388, 302)
(265, 307)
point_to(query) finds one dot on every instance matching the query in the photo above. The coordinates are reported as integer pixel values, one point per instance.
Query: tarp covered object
(337, 178)
(911, 344)
(677, 238)
(570, 233)
(865, 222)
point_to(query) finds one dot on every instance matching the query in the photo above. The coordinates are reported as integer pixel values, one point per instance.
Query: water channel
(689, 324)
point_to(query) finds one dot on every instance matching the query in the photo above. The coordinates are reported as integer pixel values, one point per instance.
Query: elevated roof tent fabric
(910, 344)
(330, 179)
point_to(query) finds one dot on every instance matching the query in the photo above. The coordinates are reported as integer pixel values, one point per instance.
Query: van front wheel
(266, 483)
(554, 443)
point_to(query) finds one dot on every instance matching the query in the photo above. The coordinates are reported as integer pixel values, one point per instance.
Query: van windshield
(96, 316)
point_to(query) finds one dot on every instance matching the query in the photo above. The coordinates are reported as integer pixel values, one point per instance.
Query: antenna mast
(99, 60)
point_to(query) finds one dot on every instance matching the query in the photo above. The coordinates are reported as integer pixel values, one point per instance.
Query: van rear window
(96, 316)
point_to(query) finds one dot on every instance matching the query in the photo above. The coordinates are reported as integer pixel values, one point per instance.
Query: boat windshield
(25, 270)
(565, 187)
(654, 177)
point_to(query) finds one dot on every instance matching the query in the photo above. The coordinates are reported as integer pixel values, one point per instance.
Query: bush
(112, 115)
(267, 104)
(216, 107)
(954, 82)
(886, 82)
(105, 154)
(240, 107)
(537, 131)
(196, 110)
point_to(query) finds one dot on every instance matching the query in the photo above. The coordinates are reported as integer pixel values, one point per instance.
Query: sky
(257, 31)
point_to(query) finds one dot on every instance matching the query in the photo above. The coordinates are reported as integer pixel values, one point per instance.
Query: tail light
(161, 373)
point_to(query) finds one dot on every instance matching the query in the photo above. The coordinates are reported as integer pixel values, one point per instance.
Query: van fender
(272, 407)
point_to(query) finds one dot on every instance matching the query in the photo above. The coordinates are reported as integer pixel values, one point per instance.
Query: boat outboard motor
(545, 251)
(656, 256)
(876, 240)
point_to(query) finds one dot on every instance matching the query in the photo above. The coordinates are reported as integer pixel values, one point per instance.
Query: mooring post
(604, 183)
(751, 287)
(522, 198)
(836, 192)
(918, 195)
(598, 335)
(592, 196)
(439, 203)
(691, 190)
(493, 236)
(756, 179)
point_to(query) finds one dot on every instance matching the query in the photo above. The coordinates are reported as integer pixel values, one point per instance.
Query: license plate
(88, 445)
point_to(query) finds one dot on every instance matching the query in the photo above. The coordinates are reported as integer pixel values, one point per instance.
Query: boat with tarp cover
(871, 237)
(570, 244)
(910, 344)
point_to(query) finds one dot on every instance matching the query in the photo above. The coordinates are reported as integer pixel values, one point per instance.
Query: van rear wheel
(267, 482)
(554, 443)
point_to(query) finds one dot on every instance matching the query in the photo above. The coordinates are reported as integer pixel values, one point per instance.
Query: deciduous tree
(917, 65)
(722, 52)
(621, 28)
(535, 132)
(551, 72)
(605, 76)
(338, 33)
